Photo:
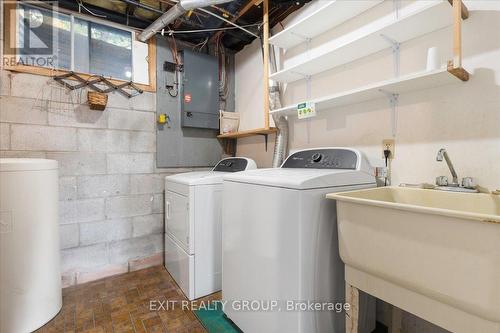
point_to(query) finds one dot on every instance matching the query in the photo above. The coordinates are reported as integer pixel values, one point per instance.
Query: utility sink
(432, 253)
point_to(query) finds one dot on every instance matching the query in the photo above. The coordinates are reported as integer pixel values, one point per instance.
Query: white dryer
(280, 241)
(193, 240)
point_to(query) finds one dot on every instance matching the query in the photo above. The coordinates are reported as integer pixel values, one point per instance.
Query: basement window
(88, 46)
(81, 45)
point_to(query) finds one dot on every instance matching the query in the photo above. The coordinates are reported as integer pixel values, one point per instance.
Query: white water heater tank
(30, 273)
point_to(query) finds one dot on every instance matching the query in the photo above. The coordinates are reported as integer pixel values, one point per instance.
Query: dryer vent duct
(281, 144)
(173, 13)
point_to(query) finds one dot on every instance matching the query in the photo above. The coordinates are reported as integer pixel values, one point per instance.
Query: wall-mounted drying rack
(92, 82)
(414, 21)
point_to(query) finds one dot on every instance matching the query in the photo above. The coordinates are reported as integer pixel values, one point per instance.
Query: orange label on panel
(187, 98)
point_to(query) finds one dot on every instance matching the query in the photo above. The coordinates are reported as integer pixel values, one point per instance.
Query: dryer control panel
(233, 164)
(323, 158)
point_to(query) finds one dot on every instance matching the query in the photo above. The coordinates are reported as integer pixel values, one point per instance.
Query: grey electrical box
(199, 90)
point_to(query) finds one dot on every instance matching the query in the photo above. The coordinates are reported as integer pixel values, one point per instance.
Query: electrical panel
(199, 90)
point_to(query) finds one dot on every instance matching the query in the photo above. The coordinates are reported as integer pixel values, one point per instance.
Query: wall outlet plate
(391, 145)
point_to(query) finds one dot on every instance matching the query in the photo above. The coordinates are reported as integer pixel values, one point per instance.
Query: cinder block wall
(111, 194)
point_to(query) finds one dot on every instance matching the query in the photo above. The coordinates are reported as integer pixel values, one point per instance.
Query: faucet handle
(442, 181)
(468, 182)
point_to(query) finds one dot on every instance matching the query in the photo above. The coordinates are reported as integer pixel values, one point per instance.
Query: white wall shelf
(407, 83)
(330, 14)
(416, 20)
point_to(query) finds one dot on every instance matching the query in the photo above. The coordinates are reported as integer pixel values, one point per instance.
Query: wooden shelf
(329, 14)
(415, 20)
(247, 133)
(403, 84)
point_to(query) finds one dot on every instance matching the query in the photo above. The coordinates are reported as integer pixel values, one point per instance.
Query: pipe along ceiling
(191, 23)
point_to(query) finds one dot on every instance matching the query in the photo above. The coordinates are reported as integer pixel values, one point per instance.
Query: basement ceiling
(141, 13)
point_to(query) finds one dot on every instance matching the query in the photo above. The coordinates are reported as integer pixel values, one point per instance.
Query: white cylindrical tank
(30, 273)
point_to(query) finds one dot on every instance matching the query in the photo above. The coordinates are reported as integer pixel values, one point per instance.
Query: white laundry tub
(435, 254)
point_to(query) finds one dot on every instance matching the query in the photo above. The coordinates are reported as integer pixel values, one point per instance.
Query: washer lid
(27, 164)
(313, 168)
(197, 178)
(302, 179)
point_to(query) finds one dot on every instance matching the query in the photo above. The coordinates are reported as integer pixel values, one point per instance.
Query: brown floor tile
(121, 304)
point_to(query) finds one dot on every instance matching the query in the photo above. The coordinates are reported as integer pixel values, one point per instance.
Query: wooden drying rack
(92, 81)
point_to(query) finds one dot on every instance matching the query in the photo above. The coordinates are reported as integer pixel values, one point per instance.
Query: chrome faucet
(443, 153)
(442, 183)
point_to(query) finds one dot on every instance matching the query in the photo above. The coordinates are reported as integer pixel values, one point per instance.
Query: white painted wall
(464, 118)
(249, 91)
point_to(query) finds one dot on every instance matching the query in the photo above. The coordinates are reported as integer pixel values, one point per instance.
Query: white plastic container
(30, 274)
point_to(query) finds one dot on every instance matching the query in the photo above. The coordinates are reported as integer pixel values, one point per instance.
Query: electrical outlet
(391, 145)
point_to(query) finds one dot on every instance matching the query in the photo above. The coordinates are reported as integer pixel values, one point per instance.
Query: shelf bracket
(304, 38)
(397, 7)
(266, 136)
(455, 66)
(396, 54)
(393, 101)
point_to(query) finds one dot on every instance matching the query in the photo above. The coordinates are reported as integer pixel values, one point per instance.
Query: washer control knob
(442, 181)
(316, 157)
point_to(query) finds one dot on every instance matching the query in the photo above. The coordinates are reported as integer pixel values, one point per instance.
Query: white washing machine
(280, 242)
(193, 240)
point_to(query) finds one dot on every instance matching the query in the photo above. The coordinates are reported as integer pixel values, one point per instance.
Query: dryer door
(177, 219)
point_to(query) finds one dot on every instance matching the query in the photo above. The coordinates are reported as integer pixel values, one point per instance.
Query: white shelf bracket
(304, 38)
(396, 54)
(397, 7)
(393, 101)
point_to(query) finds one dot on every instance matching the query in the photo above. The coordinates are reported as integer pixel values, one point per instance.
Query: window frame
(44, 71)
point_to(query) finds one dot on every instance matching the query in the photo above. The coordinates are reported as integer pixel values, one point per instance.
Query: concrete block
(67, 188)
(102, 140)
(146, 184)
(74, 164)
(131, 120)
(92, 140)
(138, 264)
(102, 186)
(81, 211)
(68, 278)
(105, 231)
(117, 207)
(118, 141)
(22, 110)
(5, 78)
(135, 248)
(143, 142)
(35, 137)
(84, 257)
(22, 154)
(118, 101)
(130, 163)
(100, 273)
(69, 236)
(35, 86)
(145, 101)
(158, 203)
(76, 116)
(4, 136)
(148, 225)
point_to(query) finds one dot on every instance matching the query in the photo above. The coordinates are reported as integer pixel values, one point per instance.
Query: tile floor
(121, 304)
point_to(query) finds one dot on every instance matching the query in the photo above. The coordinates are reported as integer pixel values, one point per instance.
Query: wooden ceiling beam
(240, 13)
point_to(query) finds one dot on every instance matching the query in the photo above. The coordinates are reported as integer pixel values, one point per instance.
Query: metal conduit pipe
(173, 13)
